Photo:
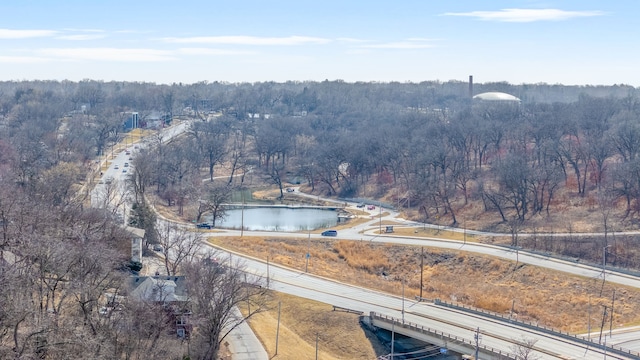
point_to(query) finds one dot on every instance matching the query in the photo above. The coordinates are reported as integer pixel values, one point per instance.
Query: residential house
(170, 291)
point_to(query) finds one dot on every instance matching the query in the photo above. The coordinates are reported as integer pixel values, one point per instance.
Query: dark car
(361, 205)
(330, 233)
(204, 226)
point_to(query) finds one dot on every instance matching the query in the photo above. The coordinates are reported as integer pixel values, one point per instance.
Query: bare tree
(214, 200)
(211, 138)
(524, 349)
(215, 293)
(179, 246)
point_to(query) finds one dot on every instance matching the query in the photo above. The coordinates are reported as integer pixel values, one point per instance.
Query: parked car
(330, 233)
(204, 226)
(290, 189)
(157, 247)
(361, 205)
(371, 207)
(116, 167)
(126, 164)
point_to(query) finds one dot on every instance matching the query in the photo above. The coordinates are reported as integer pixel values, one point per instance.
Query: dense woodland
(427, 146)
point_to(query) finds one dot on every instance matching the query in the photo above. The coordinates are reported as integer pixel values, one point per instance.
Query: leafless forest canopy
(428, 142)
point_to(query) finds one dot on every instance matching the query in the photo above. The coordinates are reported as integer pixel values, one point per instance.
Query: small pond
(279, 219)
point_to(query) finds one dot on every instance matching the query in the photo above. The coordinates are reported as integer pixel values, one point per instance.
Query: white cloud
(81, 37)
(405, 44)
(209, 51)
(23, 59)
(352, 40)
(84, 30)
(108, 54)
(526, 15)
(131, 31)
(24, 34)
(248, 40)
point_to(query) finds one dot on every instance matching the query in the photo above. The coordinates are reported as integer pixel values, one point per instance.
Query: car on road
(116, 167)
(204, 226)
(126, 164)
(330, 233)
(157, 247)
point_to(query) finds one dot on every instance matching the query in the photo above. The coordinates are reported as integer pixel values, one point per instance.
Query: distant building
(131, 121)
(136, 243)
(496, 97)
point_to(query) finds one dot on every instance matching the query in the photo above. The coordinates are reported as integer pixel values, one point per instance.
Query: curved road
(497, 335)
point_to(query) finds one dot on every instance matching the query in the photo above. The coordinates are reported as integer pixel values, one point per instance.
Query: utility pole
(278, 328)
(242, 214)
(464, 231)
(380, 207)
(613, 299)
(393, 340)
(589, 320)
(477, 338)
(316, 346)
(248, 302)
(403, 300)
(421, 269)
(604, 317)
(306, 265)
(604, 267)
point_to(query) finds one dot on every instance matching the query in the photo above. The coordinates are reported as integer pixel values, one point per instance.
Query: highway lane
(485, 249)
(629, 340)
(353, 297)
(114, 173)
(496, 334)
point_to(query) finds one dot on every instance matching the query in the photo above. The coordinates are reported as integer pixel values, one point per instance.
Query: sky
(571, 42)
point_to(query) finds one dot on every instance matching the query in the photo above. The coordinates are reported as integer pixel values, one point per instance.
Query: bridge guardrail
(419, 328)
(555, 332)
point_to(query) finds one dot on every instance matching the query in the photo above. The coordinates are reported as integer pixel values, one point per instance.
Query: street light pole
(464, 230)
(604, 267)
(306, 264)
(403, 301)
(380, 219)
(242, 214)
(421, 269)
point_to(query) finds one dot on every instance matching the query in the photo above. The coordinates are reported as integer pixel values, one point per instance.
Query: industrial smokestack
(470, 86)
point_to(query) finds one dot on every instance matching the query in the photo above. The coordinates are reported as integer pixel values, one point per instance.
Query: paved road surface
(244, 345)
(495, 334)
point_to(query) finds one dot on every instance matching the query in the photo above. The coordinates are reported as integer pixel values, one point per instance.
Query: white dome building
(496, 96)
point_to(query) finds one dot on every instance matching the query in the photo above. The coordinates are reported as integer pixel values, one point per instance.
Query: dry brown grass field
(525, 292)
(543, 296)
(340, 335)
